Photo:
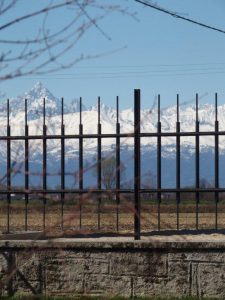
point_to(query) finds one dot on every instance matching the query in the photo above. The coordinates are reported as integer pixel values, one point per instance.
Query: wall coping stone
(157, 242)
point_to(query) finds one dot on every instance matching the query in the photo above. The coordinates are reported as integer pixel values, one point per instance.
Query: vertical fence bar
(159, 176)
(178, 162)
(117, 163)
(137, 164)
(44, 171)
(26, 166)
(216, 161)
(81, 178)
(99, 162)
(197, 167)
(8, 169)
(62, 162)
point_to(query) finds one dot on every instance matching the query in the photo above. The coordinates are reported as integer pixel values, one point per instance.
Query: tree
(36, 37)
(204, 183)
(109, 172)
(109, 169)
(148, 181)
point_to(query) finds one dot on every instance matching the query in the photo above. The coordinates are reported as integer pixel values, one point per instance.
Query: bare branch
(44, 51)
(8, 7)
(36, 13)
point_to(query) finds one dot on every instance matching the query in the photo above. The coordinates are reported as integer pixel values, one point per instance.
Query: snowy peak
(149, 117)
(74, 106)
(35, 100)
(39, 91)
(106, 112)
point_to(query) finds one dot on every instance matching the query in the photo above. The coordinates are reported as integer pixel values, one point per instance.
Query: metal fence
(136, 191)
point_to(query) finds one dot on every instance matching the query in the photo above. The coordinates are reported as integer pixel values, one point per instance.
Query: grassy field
(90, 213)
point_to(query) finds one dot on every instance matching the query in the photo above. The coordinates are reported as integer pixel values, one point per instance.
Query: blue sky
(157, 53)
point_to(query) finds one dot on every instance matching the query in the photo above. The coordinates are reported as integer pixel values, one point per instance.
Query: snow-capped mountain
(35, 99)
(108, 120)
(34, 103)
(74, 106)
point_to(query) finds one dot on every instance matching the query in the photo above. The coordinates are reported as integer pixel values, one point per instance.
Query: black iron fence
(136, 191)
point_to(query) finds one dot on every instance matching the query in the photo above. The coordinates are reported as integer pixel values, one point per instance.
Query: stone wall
(125, 268)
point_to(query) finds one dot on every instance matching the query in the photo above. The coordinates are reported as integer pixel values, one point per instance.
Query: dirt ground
(86, 219)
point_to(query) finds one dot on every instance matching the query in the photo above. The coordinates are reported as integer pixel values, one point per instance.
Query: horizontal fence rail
(100, 192)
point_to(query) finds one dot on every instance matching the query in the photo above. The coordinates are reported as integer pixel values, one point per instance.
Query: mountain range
(108, 120)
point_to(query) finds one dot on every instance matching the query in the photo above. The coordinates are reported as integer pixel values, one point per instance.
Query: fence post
(8, 168)
(137, 166)
(81, 166)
